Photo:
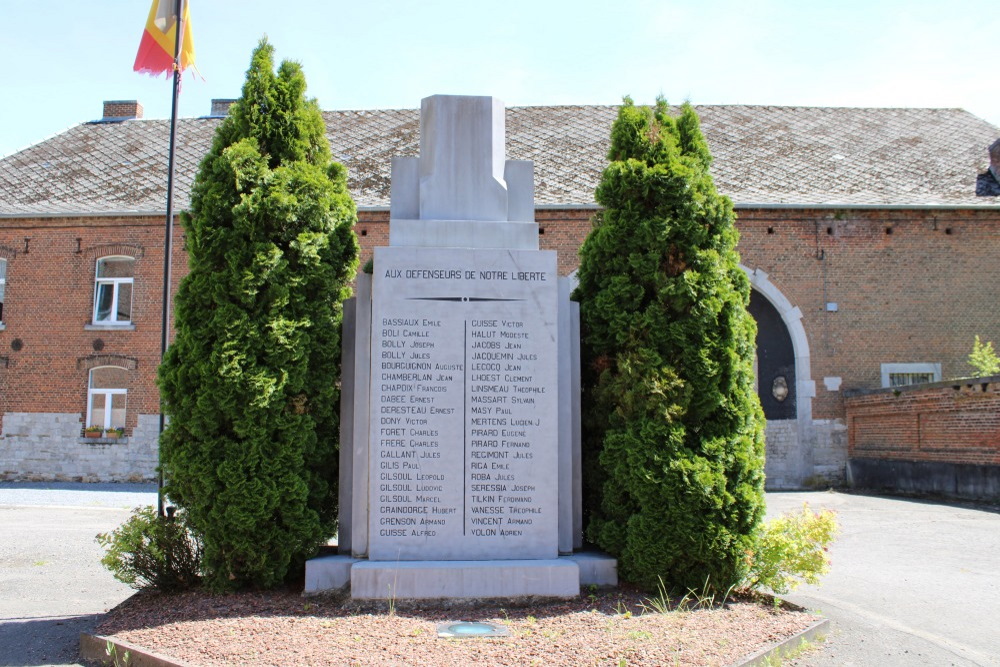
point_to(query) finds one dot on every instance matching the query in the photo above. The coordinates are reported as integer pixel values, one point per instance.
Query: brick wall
(50, 344)
(917, 294)
(950, 422)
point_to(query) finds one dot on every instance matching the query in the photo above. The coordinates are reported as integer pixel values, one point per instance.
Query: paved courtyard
(52, 586)
(912, 583)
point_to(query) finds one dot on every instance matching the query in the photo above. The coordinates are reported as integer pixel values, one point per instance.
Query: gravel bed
(283, 628)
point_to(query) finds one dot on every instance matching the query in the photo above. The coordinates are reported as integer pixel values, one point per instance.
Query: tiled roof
(796, 156)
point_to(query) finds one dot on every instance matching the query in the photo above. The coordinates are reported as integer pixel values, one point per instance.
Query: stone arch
(95, 360)
(805, 386)
(792, 443)
(114, 250)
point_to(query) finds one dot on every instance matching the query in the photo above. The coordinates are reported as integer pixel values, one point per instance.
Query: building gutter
(552, 207)
(84, 214)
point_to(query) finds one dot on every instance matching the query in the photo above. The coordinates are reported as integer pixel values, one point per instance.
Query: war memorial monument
(460, 424)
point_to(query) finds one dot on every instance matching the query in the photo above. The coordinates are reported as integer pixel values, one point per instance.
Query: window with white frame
(899, 375)
(106, 397)
(113, 290)
(3, 285)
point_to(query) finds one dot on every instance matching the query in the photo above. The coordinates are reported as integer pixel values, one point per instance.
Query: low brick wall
(941, 438)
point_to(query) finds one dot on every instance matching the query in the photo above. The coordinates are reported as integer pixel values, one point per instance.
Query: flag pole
(169, 234)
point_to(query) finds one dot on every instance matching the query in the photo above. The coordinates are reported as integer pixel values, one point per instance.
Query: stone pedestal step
(374, 580)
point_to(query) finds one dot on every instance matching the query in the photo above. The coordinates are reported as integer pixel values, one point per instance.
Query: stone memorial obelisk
(460, 438)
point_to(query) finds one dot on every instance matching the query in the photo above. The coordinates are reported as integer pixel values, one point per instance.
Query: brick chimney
(121, 109)
(995, 160)
(221, 107)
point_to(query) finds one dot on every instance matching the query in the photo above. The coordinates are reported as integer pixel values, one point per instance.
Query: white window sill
(2, 326)
(109, 327)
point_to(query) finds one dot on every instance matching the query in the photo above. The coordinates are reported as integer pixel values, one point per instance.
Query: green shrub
(251, 381)
(792, 550)
(984, 359)
(149, 551)
(673, 430)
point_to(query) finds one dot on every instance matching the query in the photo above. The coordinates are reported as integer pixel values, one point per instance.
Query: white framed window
(3, 285)
(899, 375)
(113, 290)
(106, 397)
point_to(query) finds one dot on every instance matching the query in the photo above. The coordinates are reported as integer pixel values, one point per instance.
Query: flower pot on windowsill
(93, 432)
(114, 433)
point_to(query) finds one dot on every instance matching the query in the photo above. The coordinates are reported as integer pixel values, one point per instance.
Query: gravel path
(609, 628)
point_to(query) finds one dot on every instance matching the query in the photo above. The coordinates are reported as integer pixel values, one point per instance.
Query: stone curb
(785, 646)
(93, 648)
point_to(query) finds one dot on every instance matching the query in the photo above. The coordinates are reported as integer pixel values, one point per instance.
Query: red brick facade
(909, 286)
(49, 339)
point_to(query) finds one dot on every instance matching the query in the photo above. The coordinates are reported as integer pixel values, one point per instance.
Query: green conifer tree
(250, 383)
(673, 445)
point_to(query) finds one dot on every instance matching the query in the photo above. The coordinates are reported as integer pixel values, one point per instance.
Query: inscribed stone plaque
(464, 432)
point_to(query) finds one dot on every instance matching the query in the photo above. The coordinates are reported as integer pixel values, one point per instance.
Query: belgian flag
(156, 50)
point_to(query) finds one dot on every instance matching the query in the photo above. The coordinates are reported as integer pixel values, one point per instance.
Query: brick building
(871, 238)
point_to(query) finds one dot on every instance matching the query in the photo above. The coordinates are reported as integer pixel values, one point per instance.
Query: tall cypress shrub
(673, 446)
(250, 383)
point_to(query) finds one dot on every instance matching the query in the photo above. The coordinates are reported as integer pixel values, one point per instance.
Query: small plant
(111, 650)
(661, 602)
(709, 596)
(984, 358)
(392, 599)
(114, 433)
(792, 550)
(781, 655)
(93, 431)
(149, 551)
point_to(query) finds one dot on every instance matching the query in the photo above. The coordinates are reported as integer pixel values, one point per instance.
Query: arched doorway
(785, 384)
(775, 366)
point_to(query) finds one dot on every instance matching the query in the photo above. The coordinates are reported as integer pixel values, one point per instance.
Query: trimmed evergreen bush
(673, 429)
(251, 381)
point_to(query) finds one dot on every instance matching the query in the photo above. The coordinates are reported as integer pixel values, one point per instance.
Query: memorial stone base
(561, 577)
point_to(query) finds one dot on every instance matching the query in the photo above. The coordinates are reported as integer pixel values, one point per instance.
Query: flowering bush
(792, 550)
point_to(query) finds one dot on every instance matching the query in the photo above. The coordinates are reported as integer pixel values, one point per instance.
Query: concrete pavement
(52, 585)
(911, 583)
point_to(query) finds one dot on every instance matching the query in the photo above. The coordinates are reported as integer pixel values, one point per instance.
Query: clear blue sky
(62, 58)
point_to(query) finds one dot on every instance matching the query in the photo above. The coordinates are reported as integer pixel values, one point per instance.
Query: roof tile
(763, 155)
